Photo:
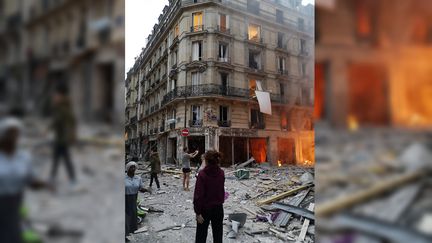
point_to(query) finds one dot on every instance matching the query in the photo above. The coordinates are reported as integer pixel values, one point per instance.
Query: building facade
(200, 69)
(76, 43)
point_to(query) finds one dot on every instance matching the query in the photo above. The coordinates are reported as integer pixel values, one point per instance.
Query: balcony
(224, 123)
(256, 125)
(254, 39)
(196, 123)
(210, 90)
(224, 60)
(283, 72)
(282, 47)
(223, 29)
(197, 28)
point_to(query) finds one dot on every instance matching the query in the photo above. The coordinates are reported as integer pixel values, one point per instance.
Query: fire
(352, 123)
(279, 163)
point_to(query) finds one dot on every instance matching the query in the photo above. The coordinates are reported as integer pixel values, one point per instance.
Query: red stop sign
(185, 132)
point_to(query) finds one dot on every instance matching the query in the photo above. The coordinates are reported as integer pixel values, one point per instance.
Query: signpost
(185, 132)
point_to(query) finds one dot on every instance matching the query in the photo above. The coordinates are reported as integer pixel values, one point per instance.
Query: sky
(141, 15)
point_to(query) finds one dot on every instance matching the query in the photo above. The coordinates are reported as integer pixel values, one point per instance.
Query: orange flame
(352, 123)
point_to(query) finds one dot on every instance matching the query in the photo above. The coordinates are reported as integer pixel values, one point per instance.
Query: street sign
(185, 132)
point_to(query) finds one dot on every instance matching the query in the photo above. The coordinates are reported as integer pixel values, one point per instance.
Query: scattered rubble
(250, 211)
(373, 182)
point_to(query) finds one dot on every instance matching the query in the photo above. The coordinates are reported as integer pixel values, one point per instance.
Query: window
(173, 84)
(196, 81)
(303, 69)
(257, 119)
(223, 113)
(364, 19)
(223, 116)
(254, 59)
(279, 16)
(196, 78)
(303, 46)
(280, 40)
(253, 6)
(224, 79)
(253, 86)
(196, 115)
(196, 51)
(223, 52)
(254, 32)
(282, 89)
(176, 31)
(281, 64)
(223, 23)
(197, 19)
(300, 24)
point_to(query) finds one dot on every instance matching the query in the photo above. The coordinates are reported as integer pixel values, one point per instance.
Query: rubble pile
(374, 181)
(264, 204)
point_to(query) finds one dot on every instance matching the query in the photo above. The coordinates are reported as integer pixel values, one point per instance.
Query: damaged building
(235, 76)
(78, 44)
(371, 59)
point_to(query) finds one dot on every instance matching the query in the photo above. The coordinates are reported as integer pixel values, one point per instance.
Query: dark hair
(213, 157)
(185, 149)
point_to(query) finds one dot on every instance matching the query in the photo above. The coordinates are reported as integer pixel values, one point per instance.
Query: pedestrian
(155, 168)
(16, 173)
(209, 197)
(186, 167)
(64, 127)
(133, 185)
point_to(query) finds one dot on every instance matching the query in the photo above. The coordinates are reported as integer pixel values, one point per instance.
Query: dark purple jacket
(209, 188)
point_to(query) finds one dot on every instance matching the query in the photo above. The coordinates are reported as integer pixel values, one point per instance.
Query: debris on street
(265, 204)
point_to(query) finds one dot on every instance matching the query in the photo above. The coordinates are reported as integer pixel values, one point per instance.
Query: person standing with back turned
(155, 168)
(186, 167)
(64, 126)
(209, 197)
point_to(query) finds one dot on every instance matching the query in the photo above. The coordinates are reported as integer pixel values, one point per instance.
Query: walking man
(155, 168)
(64, 126)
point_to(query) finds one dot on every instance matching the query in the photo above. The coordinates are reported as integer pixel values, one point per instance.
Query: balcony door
(196, 81)
(196, 115)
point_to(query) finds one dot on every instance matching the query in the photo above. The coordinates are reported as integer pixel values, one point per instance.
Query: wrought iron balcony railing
(224, 59)
(197, 28)
(210, 90)
(283, 72)
(224, 123)
(196, 123)
(223, 29)
(256, 125)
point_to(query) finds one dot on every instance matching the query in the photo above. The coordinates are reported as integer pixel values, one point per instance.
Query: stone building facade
(200, 69)
(79, 43)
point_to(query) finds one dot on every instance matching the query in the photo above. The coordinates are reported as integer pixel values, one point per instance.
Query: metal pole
(232, 150)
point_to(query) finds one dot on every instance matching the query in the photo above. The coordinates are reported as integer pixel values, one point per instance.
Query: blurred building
(373, 62)
(76, 43)
(200, 69)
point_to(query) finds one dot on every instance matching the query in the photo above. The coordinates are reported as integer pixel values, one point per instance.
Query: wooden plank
(296, 203)
(283, 195)
(305, 226)
(245, 163)
(346, 201)
(295, 210)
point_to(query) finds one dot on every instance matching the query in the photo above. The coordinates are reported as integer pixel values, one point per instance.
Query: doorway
(196, 143)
